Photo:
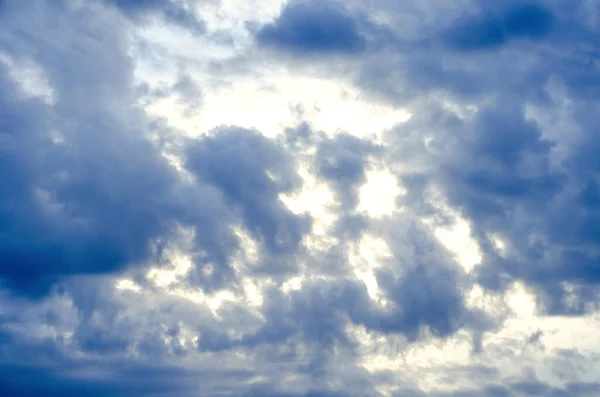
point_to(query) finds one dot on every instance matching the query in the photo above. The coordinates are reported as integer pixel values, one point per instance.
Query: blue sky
(299, 198)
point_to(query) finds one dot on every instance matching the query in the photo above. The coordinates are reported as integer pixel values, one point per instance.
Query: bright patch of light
(30, 77)
(214, 301)
(461, 110)
(248, 245)
(246, 104)
(232, 14)
(368, 277)
(162, 37)
(365, 258)
(378, 195)
(253, 293)
(338, 106)
(498, 245)
(457, 238)
(314, 198)
(521, 301)
(493, 304)
(423, 355)
(165, 277)
(557, 334)
(129, 285)
(270, 104)
(292, 284)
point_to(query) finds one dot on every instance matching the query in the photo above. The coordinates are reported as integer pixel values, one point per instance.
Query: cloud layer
(202, 198)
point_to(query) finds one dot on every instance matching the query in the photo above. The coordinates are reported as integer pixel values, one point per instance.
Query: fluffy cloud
(313, 27)
(151, 246)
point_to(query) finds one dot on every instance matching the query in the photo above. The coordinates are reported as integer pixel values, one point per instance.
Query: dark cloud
(351, 227)
(425, 293)
(531, 388)
(299, 137)
(535, 338)
(497, 169)
(80, 204)
(425, 285)
(115, 380)
(509, 173)
(491, 30)
(343, 161)
(307, 27)
(521, 44)
(528, 20)
(251, 171)
(583, 389)
(17, 382)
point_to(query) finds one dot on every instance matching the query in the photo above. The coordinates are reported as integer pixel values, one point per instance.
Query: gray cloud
(503, 101)
(172, 11)
(306, 27)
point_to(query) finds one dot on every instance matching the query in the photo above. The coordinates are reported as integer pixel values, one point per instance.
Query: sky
(299, 198)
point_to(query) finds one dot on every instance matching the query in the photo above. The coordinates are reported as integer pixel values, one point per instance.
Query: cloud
(117, 380)
(501, 176)
(313, 27)
(141, 259)
(488, 31)
(80, 205)
(187, 91)
(504, 168)
(171, 11)
(251, 171)
(343, 161)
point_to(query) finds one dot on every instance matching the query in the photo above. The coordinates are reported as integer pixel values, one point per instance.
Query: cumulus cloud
(73, 203)
(313, 27)
(531, 21)
(500, 164)
(146, 251)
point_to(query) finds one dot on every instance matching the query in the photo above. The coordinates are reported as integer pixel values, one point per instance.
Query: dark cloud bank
(86, 195)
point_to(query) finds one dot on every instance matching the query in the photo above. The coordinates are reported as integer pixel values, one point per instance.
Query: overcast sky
(302, 198)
